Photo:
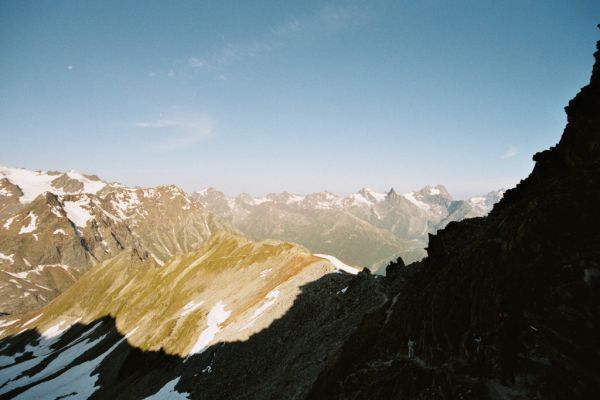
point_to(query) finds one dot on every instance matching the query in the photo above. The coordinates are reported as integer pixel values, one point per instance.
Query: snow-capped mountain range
(366, 228)
(54, 226)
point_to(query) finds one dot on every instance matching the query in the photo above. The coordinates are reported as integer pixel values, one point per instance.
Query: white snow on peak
(89, 186)
(215, 318)
(477, 200)
(34, 183)
(411, 197)
(7, 258)
(259, 200)
(338, 264)
(76, 213)
(283, 198)
(126, 201)
(168, 392)
(5, 193)
(359, 199)
(434, 191)
(295, 198)
(378, 196)
(32, 224)
(365, 197)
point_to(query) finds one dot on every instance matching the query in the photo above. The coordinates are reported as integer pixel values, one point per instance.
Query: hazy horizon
(260, 97)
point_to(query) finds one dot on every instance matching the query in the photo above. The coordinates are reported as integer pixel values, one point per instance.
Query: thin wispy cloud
(510, 152)
(327, 19)
(176, 132)
(194, 62)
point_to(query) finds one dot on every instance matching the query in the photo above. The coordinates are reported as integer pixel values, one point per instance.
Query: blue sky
(261, 96)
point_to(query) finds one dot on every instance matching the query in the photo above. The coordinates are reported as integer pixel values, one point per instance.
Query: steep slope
(516, 293)
(179, 319)
(48, 237)
(366, 228)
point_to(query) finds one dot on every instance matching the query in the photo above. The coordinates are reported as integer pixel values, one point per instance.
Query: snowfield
(340, 266)
(215, 318)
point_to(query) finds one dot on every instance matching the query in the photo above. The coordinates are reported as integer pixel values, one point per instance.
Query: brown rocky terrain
(49, 242)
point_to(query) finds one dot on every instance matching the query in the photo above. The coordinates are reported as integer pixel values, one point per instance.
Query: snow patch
(60, 232)
(359, 199)
(215, 318)
(38, 270)
(76, 213)
(338, 264)
(32, 224)
(7, 258)
(125, 202)
(56, 212)
(168, 392)
(76, 381)
(411, 197)
(9, 222)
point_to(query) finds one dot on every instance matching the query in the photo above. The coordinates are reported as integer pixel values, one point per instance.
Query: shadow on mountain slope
(281, 361)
